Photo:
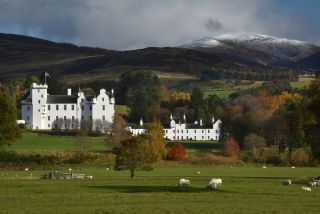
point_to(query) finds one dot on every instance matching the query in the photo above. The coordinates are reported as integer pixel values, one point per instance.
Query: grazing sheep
(286, 182)
(107, 169)
(198, 173)
(293, 167)
(26, 169)
(88, 176)
(70, 169)
(312, 183)
(212, 186)
(317, 182)
(184, 182)
(217, 181)
(264, 167)
(307, 189)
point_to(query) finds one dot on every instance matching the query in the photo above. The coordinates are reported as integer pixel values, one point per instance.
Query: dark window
(49, 107)
(41, 95)
(39, 101)
(195, 131)
(82, 100)
(49, 125)
(90, 117)
(187, 130)
(90, 108)
(102, 99)
(57, 117)
(72, 117)
(174, 131)
(103, 107)
(177, 131)
(103, 118)
(28, 118)
(65, 117)
(166, 131)
(82, 117)
(72, 107)
(65, 107)
(28, 108)
(208, 131)
(57, 107)
(48, 118)
(82, 107)
(202, 131)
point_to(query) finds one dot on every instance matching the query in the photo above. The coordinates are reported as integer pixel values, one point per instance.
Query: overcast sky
(130, 24)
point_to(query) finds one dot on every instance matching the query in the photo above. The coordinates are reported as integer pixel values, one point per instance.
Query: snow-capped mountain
(262, 49)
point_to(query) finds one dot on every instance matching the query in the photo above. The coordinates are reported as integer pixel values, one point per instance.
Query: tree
(176, 152)
(119, 132)
(142, 151)
(9, 130)
(253, 142)
(197, 103)
(231, 147)
(82, 141)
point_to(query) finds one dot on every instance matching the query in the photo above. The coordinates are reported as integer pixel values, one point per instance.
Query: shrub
(212, 159)
(231, 147)
(176, 152)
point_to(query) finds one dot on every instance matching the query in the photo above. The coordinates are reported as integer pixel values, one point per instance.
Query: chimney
(141, 122)
(69, 91)
(201, 122)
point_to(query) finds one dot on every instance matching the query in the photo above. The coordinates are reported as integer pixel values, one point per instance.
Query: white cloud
(129, 24)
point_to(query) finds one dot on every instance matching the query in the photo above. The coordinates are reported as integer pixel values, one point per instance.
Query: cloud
(213, 25)
(129, 24)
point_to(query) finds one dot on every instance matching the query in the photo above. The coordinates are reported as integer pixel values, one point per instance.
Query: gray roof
(61, 99)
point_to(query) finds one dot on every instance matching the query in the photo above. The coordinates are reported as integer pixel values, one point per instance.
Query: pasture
(244, 190)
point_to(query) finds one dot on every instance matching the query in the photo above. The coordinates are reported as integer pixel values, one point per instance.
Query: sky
(132, 24)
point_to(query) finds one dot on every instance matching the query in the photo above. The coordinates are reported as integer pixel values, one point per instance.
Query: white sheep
(26, 169)
(217, 181)
(212, 186)
(312, 183)
(70, 169)
(107, 168)
(293, 167)
(264, 167)
(184, 182)
(88, 176)
(198, 173)
(286, 182)
(307, 189)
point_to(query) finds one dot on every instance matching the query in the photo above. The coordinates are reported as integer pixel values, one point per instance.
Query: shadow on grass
(145, 189)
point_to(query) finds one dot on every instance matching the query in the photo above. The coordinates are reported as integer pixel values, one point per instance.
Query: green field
(244, 190)
(30, 141)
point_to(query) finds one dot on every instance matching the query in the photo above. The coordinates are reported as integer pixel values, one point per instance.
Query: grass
(32, 142)
(300, 85)
(225, 92)
(245, 190)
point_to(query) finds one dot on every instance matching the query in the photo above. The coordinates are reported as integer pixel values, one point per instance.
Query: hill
(23, 55)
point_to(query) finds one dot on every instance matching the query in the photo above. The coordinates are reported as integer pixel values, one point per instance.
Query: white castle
(181, 130)
(43, 111)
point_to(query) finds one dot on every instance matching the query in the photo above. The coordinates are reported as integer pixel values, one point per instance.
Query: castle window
(166, 131)
(48, 118)
(187, 131)
(82, 117)
(174, 131)
(195, 137)
(90, 117)
(28, 108)
(28, 118)
(103, 107)
(38, 90)
(178, 138)
(202, 137)
(174, 137)
(72, 117)
(202, 131)
(49, 107)
(195, 131)
(102, 99)
(82, 107)
(182, 131)
(41, 95)
(49, 125)
(65, 117)
(103, 117)
(57, 107)
(208, 131)
(65, 107)
(39, 101)
(90, 108)
(72, 107)
(177, 131)
(82, 100)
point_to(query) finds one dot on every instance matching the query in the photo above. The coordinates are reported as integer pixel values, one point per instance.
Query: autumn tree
(253, 142)
(231, 147)
(9, 130)
(176, 152)
(142, 151)
(118, 131)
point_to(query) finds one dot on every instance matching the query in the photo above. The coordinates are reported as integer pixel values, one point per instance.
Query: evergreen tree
(9, 130)
(197, 103)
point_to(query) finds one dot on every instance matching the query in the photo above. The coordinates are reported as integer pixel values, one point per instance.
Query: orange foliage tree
(231, 147)
(176, 152)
